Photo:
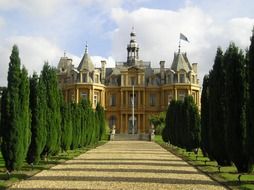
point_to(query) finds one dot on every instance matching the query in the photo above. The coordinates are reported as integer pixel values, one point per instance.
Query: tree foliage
(16, 136)
(182, 124)
(236, 93)
(38, 120)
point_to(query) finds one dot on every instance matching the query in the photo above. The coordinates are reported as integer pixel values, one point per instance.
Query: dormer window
(182, 78)
(84, 77)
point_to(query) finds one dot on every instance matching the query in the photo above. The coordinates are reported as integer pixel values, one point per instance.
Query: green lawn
(28, 171)
(226, 175)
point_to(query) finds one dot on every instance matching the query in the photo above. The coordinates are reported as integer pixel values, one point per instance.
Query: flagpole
(133, 99)
(179, 46)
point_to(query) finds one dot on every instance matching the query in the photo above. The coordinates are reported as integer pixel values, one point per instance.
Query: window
(83, 95)
(181, 96)
(95, 99)
(96, 78)
(84, 77)
(132, 81)
(112, 100)
(152, 99)
(193, 79)
(131, 99)
(182, 78)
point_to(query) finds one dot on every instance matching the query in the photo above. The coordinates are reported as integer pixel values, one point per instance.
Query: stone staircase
(131, 137)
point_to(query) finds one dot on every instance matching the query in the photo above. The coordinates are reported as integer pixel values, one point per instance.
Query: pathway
(122, 165)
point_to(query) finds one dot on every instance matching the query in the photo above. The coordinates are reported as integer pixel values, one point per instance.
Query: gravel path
(122, 165)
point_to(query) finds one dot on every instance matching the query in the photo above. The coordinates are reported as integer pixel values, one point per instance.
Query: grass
(227, 176)
(27, 171)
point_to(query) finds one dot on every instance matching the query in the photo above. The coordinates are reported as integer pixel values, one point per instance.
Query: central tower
(132, 50)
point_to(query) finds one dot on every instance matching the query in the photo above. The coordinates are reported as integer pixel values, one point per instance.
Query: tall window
(95, 99)
(132, 81)
(131, 99)
(83, 95)
(182, 78)
(84, 77)
(112, 100)
(152, 99)
(96, 78)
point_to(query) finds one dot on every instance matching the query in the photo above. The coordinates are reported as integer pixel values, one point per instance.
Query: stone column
(126, 124)
(77, 95)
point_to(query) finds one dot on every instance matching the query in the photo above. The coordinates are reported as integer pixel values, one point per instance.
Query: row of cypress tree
(182, 124)
(228, 108)
(35, 120)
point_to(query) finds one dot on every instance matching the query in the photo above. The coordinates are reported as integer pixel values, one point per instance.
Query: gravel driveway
(121, 165)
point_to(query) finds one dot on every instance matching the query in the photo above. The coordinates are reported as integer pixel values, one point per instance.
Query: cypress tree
(205, 117)
(191, 124)
(38, 123)
(217, 128)
(76, 125)
(16, 137)
(165, 132)
(236, 93)
(66, 135)
(101, 119)
(53, 117)
(250, 126)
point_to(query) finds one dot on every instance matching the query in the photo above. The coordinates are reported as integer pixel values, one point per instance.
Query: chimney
(162, 71)
(195, 67)
(103, 71)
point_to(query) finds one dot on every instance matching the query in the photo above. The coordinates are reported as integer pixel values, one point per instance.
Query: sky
(45, 29)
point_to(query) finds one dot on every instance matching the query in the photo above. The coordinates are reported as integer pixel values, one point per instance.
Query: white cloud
(110, 61)
(158, 34)
(36, 7)
(33, 52)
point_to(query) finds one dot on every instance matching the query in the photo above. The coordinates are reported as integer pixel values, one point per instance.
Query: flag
(183, 37)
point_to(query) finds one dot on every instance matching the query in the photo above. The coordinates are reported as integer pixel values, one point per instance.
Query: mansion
(133, 83)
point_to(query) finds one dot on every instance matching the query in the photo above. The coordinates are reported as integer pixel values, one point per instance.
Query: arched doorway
(132, 129)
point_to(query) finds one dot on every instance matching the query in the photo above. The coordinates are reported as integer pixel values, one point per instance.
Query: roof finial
(86, 48)
(64, 53)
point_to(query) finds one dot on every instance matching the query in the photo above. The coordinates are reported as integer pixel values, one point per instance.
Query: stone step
(129, 137)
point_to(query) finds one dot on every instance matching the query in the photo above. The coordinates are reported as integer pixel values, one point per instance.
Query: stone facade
(154, 88)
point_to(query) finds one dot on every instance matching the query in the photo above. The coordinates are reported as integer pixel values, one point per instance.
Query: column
(175, 94)
(121, 98)
(144, 123)
(77, 95)
(139, 99)
(126, 124)
(138, 124)
(126, 99)
(144, 98)
(121, 123)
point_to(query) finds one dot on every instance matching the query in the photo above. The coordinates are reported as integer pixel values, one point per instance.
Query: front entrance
(132, 129)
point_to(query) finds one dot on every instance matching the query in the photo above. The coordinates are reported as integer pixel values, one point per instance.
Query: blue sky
(44, 29)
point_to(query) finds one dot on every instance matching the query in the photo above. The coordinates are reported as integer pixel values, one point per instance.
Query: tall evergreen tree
(236, 93)
(53, 114)
(38, 123)
(217, 128)
(101, 118)
(16, 137)
(66, 135)
(250, 126)
(205, 147)
(192, 124)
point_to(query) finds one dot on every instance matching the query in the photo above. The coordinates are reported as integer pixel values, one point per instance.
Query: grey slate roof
(86, 63)
(181, 62)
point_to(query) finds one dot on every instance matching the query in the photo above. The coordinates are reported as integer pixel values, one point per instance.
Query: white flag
(183, 37)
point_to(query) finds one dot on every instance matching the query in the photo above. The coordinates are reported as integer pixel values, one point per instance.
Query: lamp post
(133, 122)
